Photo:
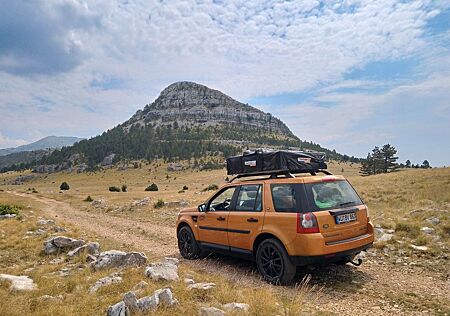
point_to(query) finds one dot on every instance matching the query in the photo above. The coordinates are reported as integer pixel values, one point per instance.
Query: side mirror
(202, 208)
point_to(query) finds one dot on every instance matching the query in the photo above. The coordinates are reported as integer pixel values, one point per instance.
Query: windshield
(330, 195)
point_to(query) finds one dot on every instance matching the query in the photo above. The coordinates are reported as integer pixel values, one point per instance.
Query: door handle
(252, 220)
(220, 218)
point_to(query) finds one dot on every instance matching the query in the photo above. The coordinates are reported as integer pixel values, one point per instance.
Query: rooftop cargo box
(281, 160)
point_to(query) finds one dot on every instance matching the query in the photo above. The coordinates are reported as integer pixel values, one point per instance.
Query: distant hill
(187, 120)
(49, 142)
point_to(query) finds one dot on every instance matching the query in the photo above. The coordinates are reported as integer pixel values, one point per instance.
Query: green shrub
(9, 209)
(64, 186)
(88, 199)
(158, 204)
(124, 188)
(185, 187)
(152, 187)
(114, 189)
(411, 230)
(210, 187)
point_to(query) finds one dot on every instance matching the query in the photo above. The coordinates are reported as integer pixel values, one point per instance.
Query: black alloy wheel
(273, 262)
(188, 246)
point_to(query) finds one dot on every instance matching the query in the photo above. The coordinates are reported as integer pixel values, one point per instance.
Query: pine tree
(426, 164)
(408, 163)
(389, 159)
(366, 166)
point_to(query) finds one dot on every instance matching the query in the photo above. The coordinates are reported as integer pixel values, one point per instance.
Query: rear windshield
(330, 195)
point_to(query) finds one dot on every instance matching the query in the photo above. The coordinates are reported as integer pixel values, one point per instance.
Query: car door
(212, 224)
(246, 218)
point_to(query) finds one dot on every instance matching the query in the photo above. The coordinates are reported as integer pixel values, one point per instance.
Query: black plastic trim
(229, 230)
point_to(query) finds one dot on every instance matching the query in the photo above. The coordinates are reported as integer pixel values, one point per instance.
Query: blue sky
(346, 74)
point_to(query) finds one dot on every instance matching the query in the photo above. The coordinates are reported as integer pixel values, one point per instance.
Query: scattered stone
(433, 220)
(59, 229)
(175, 166)
(90, 258)
(108, 160)
(236, 307)
(64, 272)
(7, 216)
(19, 283)
(201, 286)
(21, 179)
(37, 232)
(97, 202)
(211, 311)
(108, 280)
(146, 304)
(55, 244)
(181, 203)
(49, 298)
(142, 202)
(92, 248)
(420, 248)
(140, 287)
(385, 237)
(44, 222)
(427, 230)
(166, 271)
(118, 259)
(174, 261)
(56, 261)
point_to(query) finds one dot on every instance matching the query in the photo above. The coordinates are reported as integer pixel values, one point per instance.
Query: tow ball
(357, 263)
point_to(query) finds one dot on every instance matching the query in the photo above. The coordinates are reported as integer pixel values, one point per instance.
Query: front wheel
(188, 246)
(273, 262)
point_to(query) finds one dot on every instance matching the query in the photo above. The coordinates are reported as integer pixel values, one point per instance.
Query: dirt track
(375, 288)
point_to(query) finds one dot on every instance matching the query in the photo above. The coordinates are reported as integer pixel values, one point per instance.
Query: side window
(222, 201)
(284, 198)
(249, 198)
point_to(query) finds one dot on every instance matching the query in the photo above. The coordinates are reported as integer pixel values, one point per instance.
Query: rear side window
(285, 197)
(330, 195)
(249, 198)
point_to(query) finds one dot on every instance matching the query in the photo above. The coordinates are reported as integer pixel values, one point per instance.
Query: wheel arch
(264, 236)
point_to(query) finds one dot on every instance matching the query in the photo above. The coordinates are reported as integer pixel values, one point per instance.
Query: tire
(187, 245)
(274, 264)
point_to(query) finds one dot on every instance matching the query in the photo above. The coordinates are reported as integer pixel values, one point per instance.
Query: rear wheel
(273, 262)
(188, 246)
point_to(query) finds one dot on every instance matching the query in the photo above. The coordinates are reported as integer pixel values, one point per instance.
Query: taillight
(368, 216)
(307, 223)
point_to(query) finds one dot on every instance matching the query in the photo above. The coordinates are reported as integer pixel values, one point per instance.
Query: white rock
(19, 283)
(433, 220)
(56, 261)
(43, 222)
(165, 271)
(92, 248)
(174, 261)
(211, 311)
(7, 216)
(420, 248)
(188, 281)
(108, 280)
(427, 230)
(385, 237)
(142, 202)
(236, 307)
(201, 286)
(149, 303)
(118, 259)
(118, 309)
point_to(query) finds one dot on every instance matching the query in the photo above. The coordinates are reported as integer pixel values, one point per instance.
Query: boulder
(7, 216)
(201, 286)
(118, 309)
(19, 283)
(108, 160)
(108, 280)
(211, 311)
(146, 304)
(175, 166)
(165, 271)
(236, 307)
(118, 259)
(55, 244)
(385, 237)
(92, 248)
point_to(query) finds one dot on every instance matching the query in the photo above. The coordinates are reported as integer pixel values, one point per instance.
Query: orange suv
(280, 222)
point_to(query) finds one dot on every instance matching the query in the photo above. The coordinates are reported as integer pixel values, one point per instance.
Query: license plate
(345, 218)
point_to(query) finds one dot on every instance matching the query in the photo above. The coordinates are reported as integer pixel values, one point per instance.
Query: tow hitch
(357, 263)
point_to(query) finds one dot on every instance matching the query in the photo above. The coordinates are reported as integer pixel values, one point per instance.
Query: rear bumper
(329, 258)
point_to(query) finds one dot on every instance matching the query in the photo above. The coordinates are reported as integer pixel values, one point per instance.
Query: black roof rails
(275, 173)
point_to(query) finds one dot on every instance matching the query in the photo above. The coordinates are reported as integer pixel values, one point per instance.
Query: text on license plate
(345, 218)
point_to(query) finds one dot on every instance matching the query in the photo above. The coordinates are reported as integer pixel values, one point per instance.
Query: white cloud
(6, 142)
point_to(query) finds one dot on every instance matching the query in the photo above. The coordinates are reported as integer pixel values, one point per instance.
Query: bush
(185, 188)
(152, 187)
(412, 230)
(64, 186)
(114, 189)
(88, 199)
(9, 209)
(210, 187)
(124, 188)
(160, 203)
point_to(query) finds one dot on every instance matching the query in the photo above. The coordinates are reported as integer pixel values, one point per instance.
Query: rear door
(212, 224)
(246, 218)
(339, 211)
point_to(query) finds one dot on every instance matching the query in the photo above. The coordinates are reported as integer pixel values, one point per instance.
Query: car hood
(189, 210)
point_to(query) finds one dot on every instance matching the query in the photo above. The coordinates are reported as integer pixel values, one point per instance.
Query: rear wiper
(346, 203)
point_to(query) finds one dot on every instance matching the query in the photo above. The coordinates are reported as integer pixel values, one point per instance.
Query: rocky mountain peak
(193, 104)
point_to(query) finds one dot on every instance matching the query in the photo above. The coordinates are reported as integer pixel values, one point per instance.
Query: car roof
(298, 179)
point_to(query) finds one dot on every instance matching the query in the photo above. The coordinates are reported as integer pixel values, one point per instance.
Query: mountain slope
(187, 120)
(49, 142)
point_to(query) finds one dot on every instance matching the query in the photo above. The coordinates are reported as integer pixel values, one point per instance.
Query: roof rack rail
(275, 173)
